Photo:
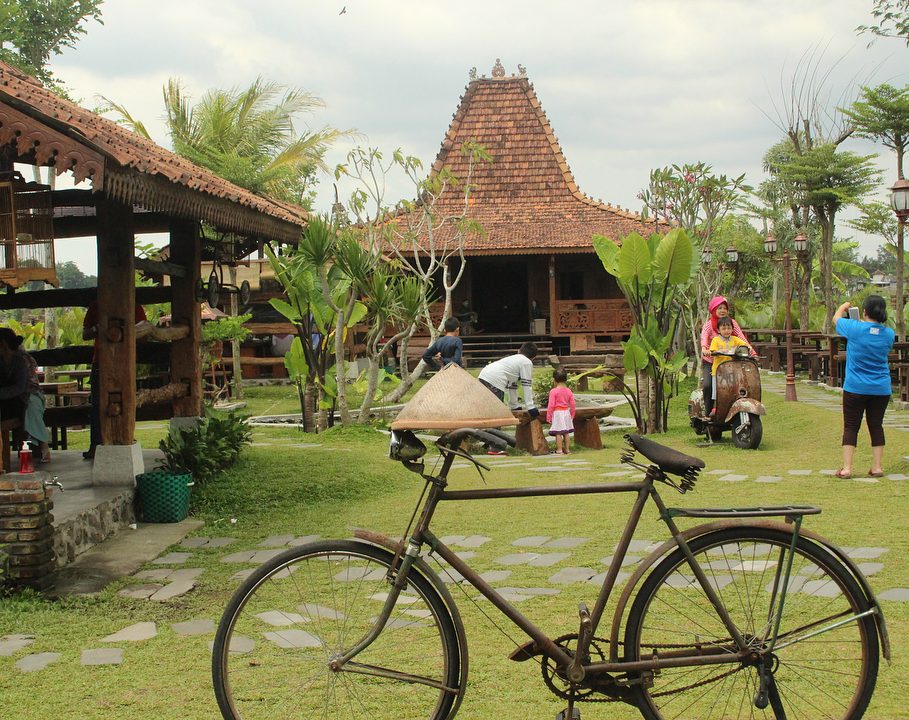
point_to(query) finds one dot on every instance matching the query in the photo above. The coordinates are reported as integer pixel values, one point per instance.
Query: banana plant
(652, 273)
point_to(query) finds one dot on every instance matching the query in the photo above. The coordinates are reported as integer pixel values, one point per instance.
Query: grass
(347, 482)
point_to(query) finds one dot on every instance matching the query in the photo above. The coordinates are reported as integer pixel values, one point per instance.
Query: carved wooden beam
(75, 297)
(159, 267)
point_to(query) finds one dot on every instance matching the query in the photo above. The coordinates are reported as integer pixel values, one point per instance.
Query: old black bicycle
(747, 614)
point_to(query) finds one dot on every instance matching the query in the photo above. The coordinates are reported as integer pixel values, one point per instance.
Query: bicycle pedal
(566, 714)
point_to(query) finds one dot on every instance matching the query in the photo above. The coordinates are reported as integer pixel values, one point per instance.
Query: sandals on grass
(842, 474)
(872, 473)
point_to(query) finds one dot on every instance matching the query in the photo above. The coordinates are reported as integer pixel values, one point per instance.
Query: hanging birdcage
(26, 232)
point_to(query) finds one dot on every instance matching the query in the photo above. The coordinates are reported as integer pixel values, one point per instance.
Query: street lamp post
(770, 247)
(899, 201)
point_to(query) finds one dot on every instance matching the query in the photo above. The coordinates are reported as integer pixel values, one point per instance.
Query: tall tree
(892, 19)
(247, 136)
(827, 180)
(694, 198)
(31, 31)
(882, 114)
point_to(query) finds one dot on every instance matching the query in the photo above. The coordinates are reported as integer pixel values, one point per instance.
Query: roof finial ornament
(522, 71)
(472, 73)
(498, 70)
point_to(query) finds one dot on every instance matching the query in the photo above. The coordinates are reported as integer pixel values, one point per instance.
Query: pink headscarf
(712, 307)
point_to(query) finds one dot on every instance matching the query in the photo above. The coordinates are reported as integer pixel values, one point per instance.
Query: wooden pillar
(553, 315)
(116, 322)
(185, 360)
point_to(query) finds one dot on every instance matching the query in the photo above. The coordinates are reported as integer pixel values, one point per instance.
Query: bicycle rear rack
(788, 511)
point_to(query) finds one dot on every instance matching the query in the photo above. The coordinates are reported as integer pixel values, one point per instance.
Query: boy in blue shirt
(447, 348)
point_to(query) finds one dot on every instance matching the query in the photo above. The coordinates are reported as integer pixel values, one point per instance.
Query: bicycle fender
(748, 405)
(664, 549)
(395, 546)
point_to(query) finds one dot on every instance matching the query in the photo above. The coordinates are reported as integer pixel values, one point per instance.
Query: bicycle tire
(823, 676)
(318, 600)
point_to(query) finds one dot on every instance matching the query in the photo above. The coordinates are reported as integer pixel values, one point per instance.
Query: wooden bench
(58, 419)
(531, 437)
(9, 429)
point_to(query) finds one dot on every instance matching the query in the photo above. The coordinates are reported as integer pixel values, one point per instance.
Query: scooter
(738, 405)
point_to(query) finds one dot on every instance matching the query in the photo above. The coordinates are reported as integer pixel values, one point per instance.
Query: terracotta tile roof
(129, 168)
(526, 198)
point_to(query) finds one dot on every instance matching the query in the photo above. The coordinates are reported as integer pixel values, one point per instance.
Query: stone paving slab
(566, 542)
(191, 628)
(133, 633)
(276, 541)
(865, 553)
(627, 560)
(291, 639)
(198, 543)
(897, 476)
(895, 594)
(732, 477)
(172, 558)
(516, 558)
(600, 577)
(548, 559)
(157, 574)
(551, 468)
(140, 592)
(102, 656)
(799, 472)
(572, 575)
(768, 478)
(172, 590)
(303, 540)
(239, 644)
(37, 661)
(11, 644)
(531, 541)
(278, 618)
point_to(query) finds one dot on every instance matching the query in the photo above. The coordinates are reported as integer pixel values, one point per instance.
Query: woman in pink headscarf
(718, 308)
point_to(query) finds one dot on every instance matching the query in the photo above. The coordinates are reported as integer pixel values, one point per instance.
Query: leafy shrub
(206, 448)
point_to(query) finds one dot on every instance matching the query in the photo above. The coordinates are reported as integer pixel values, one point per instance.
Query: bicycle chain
(602, 698)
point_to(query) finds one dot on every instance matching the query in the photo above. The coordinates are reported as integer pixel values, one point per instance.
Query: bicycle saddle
(668, 460)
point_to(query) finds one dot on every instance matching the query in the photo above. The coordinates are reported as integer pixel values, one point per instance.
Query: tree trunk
(50, 337)
(804, 292)
(340, 367)
(372, 383)
(825, 217)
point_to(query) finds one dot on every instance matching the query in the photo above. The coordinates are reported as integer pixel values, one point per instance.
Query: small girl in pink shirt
(560, 411)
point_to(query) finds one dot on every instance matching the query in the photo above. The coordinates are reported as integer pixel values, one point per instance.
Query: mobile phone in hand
(853, 313)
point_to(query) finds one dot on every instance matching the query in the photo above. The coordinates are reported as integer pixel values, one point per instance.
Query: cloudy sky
(627, 86)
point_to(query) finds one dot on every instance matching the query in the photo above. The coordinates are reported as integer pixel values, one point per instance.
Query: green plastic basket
(163, 496)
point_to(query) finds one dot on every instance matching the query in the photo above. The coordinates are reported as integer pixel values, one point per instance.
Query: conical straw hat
(453, 399)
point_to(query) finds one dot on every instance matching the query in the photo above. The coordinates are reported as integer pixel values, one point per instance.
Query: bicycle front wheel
(309, 605)
(822, 669)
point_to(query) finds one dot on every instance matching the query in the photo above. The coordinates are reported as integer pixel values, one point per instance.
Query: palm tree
(246, 136)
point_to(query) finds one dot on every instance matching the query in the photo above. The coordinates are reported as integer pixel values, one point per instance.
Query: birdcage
(26, 232)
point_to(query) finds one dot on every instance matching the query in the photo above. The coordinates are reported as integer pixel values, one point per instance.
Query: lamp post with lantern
(770, 245)
(899, 201)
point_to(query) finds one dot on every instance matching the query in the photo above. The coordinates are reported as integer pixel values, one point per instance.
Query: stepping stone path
(179, 581)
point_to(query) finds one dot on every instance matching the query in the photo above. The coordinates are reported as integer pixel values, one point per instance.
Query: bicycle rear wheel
(310, 604)
(829, 675)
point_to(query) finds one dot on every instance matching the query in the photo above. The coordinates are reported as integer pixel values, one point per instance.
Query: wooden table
(80, 376)
(58, 388)
(531, 437)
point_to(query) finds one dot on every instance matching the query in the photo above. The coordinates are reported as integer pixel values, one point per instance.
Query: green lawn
(348, 482)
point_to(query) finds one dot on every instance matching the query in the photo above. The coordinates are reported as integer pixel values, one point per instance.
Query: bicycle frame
(544, 644)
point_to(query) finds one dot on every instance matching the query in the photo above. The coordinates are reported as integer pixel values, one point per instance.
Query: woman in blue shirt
(866, 389)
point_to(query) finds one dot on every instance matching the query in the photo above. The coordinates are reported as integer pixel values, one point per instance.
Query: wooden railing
(599, 317)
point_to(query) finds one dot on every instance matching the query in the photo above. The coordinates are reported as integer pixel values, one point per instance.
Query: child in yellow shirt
(725, 341)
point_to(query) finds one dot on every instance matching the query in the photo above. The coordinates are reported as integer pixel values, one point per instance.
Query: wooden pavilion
(538, 223)
(135, 187)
